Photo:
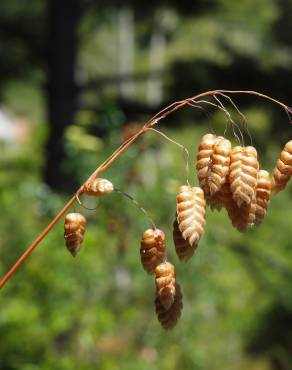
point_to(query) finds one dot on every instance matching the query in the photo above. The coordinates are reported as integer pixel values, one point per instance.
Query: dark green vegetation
(96, 311)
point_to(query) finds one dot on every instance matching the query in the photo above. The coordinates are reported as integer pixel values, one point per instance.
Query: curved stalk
(108, 162)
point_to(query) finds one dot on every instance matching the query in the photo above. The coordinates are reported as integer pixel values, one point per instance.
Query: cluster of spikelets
(230, 178)
(168, 300)
(74, 226)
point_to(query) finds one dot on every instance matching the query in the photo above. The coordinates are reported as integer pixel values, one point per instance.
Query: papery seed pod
(263, 192)
(74, 229)
(169, 317)
(183, 248)
(222, 198)
(206, 150)
(213, 163)
(98, 187)
(220, 164)
(243, 217)
(152, 249)
(283, 170)
(165, 284)
(243, 174)
(191, 211)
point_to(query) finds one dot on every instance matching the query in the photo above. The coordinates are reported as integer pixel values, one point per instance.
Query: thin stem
(135, 202)
(107, 163)
(233, 124)
(208, 115)
(227, 114)
(185, 151)
(244, 120)
(251, 92)
(20, 261)
(85, 207)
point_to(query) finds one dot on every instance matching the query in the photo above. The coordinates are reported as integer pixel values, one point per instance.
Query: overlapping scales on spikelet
(213, 162)
(283, 170)
(243, 217)
(263, 192)
(169, 317)
(191, 213)
(243, 174)
(98, 187)
(183, 248)
(152, 250)
(165, 284)
(74, 229)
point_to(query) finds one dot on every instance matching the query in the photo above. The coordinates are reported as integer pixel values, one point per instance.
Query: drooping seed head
(98, 187)
(74, 229)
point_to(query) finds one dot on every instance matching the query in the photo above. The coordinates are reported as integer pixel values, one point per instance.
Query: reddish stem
(152, 122)
(36, 242)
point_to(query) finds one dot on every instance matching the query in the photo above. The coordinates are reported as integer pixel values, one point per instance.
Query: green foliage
(96, 311)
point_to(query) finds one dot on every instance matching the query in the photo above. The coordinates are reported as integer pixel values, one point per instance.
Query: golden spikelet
(243, 217)
(263, 192)
(98, 187)
(220, 164)
(222, 198)
(165, 284)
(183, 248)
(169, 317)
(243, 174)
(74, 229)
(206, 150)
(152, 249)
(283, 170)
(190, 211)
(213, 163)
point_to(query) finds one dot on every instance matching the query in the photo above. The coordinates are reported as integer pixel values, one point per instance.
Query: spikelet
(74, 229)
(152, 249)
(190, 210)
(263, 192)
(220, 164)
(243, 174)
(183, 248)
(213, 163)
(243, 217)
(222, 198)
(169, 317)
(283, 170)
(165, 284)
(206, 150)
(98, 187)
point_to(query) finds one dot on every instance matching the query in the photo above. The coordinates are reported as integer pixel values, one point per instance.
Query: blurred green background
(76, 78)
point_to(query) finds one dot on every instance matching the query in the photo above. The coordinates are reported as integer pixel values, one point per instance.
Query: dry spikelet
(169, 317)
(190, 211)
(98, 187)
(283, 170)
(243, 217)
(263, 192)
(220, 164)
(222, 198)
(74, 229)
(213, 163)
(206, 150)
(243, 174)
(165, 284)
(152, 249)
(183, 248)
